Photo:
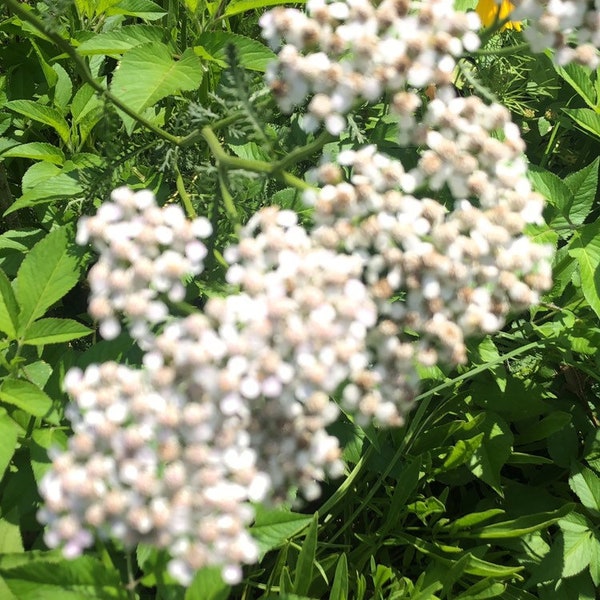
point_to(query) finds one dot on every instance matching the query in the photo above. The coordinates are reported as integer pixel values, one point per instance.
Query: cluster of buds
(145, 251)
(341, 52)
(443, 273)
(150, 462)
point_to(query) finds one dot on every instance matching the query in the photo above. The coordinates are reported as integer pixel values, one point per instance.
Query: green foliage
(492, 487)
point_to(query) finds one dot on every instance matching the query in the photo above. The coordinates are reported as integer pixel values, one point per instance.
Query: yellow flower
(491, 12)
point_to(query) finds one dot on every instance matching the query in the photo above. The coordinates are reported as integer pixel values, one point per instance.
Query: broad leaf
(586, 484)
(53, 331)
(143, 9)
(43, 114)
(586, 118)
(585, 248)
(148, 73)
(85, 577)
(48, 272)
(252, 54)
(121, 40)
(579, 79)
(26, 396)
(273, 527)
(8, 442)
(8, 307)
(584, 185)
(208, 585)
(38, 151)
(240, 6)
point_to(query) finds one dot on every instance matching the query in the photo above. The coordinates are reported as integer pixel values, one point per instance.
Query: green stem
(228, 162)
(502, 51)
(185, 197)
(295, 156)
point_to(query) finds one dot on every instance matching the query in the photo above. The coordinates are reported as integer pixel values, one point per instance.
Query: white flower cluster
(145, 251)
(572, 27)
(294, 335)
(443, 273)
(149, 462)
(347, 50)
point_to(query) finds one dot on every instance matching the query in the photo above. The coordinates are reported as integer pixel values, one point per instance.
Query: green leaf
(42, 114)
(120, 40)
(9, 308)
(10, 535)
(8, 442)
(273, 527)
(579, 79)
(518, 527)
(240, 6)
(339, 587)
(585, 248)
(556, 192)
(470, 520)
(142, 9)
(44, 182)
(63, 88)
(586, 118)
(486, 588)
(550, 424)
(26, 396)
(252, 54)
(586, 484)
(583, 184)
(48, 272)
(79, 579)
(577, 551)
(462, 452)
(306, 558)
(53, 331)
(403, 489)
(208, 585)
(38, 151)
(148, 73)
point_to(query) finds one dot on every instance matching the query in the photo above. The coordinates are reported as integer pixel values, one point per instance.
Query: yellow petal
(489, 12)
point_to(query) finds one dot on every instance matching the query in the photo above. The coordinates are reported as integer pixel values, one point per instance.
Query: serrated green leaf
(53, 331)
(9, 308)
(577, 551)
(8, 442)
(120, 40)
(208, 585)
(586, 484)
(586, 118)
(142, 9)
(38, 151)
(43, 114)
(584, 185)
(306, 558)
(85, 577)
(26, 396)
(579, 79)
(240, 6)
(58, 187)
(48, 272)
(273, 527)
(148, 73)
(10, 535)
(585, 248)
(339, 587)
(556, 192)
(252, 54)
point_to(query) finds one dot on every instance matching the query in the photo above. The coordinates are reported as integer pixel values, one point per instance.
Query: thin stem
(295, 156)
(185, 197)
(502, 51)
